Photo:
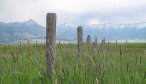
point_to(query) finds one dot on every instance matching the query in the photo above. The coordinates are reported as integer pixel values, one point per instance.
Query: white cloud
(70, 11)
(83, 6)
(93, 21)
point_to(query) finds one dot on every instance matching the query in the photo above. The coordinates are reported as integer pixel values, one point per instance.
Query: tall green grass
(109, 64)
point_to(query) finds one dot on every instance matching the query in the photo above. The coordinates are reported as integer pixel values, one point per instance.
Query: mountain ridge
(109, 31)
(31, 29)
(21, 30)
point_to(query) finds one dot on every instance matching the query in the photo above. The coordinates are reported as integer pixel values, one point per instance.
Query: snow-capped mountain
(31, 29)
(21, 30)
(108, 31)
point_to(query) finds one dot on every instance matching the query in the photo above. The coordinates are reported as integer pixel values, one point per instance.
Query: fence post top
(88, 35)
(80, 28)
(95, 36)
(51, 14)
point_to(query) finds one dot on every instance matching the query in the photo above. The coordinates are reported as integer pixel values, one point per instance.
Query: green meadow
(107, 64)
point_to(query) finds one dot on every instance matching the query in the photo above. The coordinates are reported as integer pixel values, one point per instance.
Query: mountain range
(107, 31)
(20, 30)
(31, 29)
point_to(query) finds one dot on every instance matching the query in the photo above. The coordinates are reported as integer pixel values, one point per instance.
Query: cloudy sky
(74, 11)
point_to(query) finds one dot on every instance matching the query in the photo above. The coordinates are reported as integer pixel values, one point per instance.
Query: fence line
(25, 39)
(66, 40)
(51, 43)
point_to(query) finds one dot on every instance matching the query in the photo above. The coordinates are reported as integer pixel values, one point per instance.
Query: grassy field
(109, 64)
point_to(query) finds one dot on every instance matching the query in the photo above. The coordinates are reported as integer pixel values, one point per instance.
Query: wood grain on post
(50, 43)
(80, 40)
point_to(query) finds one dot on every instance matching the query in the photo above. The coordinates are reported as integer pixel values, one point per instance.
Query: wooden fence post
(95, 40)
(20, 47)
(102, 42)
(126, 41)
(50, 44)
(116, 42)
(88, 42)
(80, 40)
(93, 46)
(145, 53)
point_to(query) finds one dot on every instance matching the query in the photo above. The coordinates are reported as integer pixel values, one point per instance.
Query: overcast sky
(74, 11)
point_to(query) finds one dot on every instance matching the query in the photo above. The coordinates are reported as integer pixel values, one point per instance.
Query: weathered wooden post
(50, 43)
(102, 42)
(108, 45)
(96, 43)
(20, 47)
(88, 40)
(60, 46)
(80, 40)
(145, 53)
(95, 39)
(93, 46)
(36, 43)
(116, 42)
